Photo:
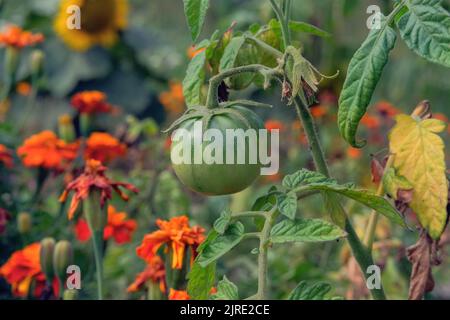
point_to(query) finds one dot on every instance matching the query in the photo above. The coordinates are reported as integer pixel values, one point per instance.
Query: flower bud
(24, 222)
(62, 258)
(70, 295)
(422, 110)
(66, 128)
(46, 258)
(37, 61)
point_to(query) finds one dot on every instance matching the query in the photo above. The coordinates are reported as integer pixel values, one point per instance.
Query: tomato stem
(212, 100)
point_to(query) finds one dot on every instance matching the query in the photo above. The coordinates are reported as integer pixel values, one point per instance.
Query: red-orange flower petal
(154, 272)
(178, 295)
(46, 150)
(93, 177)
(14, 36)
(176, 234)
(6, 156)
(104, 147)
(91, 102)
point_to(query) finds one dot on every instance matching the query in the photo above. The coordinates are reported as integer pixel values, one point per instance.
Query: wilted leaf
(425, 27)
(305, 230)
(419, 157)
(422, 255)
(363, 74)
(226, 290)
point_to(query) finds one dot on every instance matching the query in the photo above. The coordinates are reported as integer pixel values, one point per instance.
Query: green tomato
(220, 178)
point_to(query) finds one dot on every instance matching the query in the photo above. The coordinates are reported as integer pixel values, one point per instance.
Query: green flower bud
(70, 295)
(24, 222)
(62, 258)
(37, 61)
(66, 128)
(46, 258)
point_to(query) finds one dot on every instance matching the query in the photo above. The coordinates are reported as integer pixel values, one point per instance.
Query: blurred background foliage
(152, 54)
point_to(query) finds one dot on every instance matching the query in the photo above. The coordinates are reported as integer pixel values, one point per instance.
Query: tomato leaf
(194, 79)
(195, 12)
(239, 53)
(226, 290)
(393, 183)
(316, 291)
(420, 158)
(363, 73)
(221, 224)
(425, 28)
(287, 204)
(305, 180)
(305, 230)
(221, 244)
(299, 26)
(200, 281)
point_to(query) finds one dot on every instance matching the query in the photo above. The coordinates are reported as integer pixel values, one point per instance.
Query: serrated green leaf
(239, 53)
(363, 74)
(316, 291)
(334, 207)
(299, 26)
(425, 28)
(194, 79)
(195, 12)
(288, 205)
(221, 224)
(221, 244)
(304, 177)
(226, 290)
(305, 180)
(201, 280)
(305, 230)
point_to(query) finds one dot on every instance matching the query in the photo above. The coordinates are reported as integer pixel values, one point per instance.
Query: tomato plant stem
(360, 252)
(262, 293)
(212, 100)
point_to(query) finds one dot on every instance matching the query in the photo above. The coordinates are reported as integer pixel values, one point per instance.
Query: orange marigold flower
(154, 272)
(91, 102)
(386, 109)
(4, 218)
(274, 124)
(370, 121)
(22, 268)
(104, 147)
(177, 234)
(6, 156)
(178, 295)
(354, 153)
(92, 178)
(192, 51)
(46, 150)
(117, 227)
(23, 88)
(173, 99)
(14, 36)
(318, 111)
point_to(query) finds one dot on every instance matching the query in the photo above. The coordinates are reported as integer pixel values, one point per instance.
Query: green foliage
(316, 291)
(363, 75)
(288, 205)
(221, 224)
(201, 280)
(195, 11)
(305, 230)
(226, 290)
(220, 245)
(193, 81)
(425, 28)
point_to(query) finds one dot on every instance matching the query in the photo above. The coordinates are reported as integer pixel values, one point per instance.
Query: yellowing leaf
(419, 157)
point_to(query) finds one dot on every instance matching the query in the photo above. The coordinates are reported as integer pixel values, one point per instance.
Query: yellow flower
(101, 20)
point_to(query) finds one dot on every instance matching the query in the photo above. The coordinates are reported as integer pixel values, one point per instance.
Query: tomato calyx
(205, 114)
